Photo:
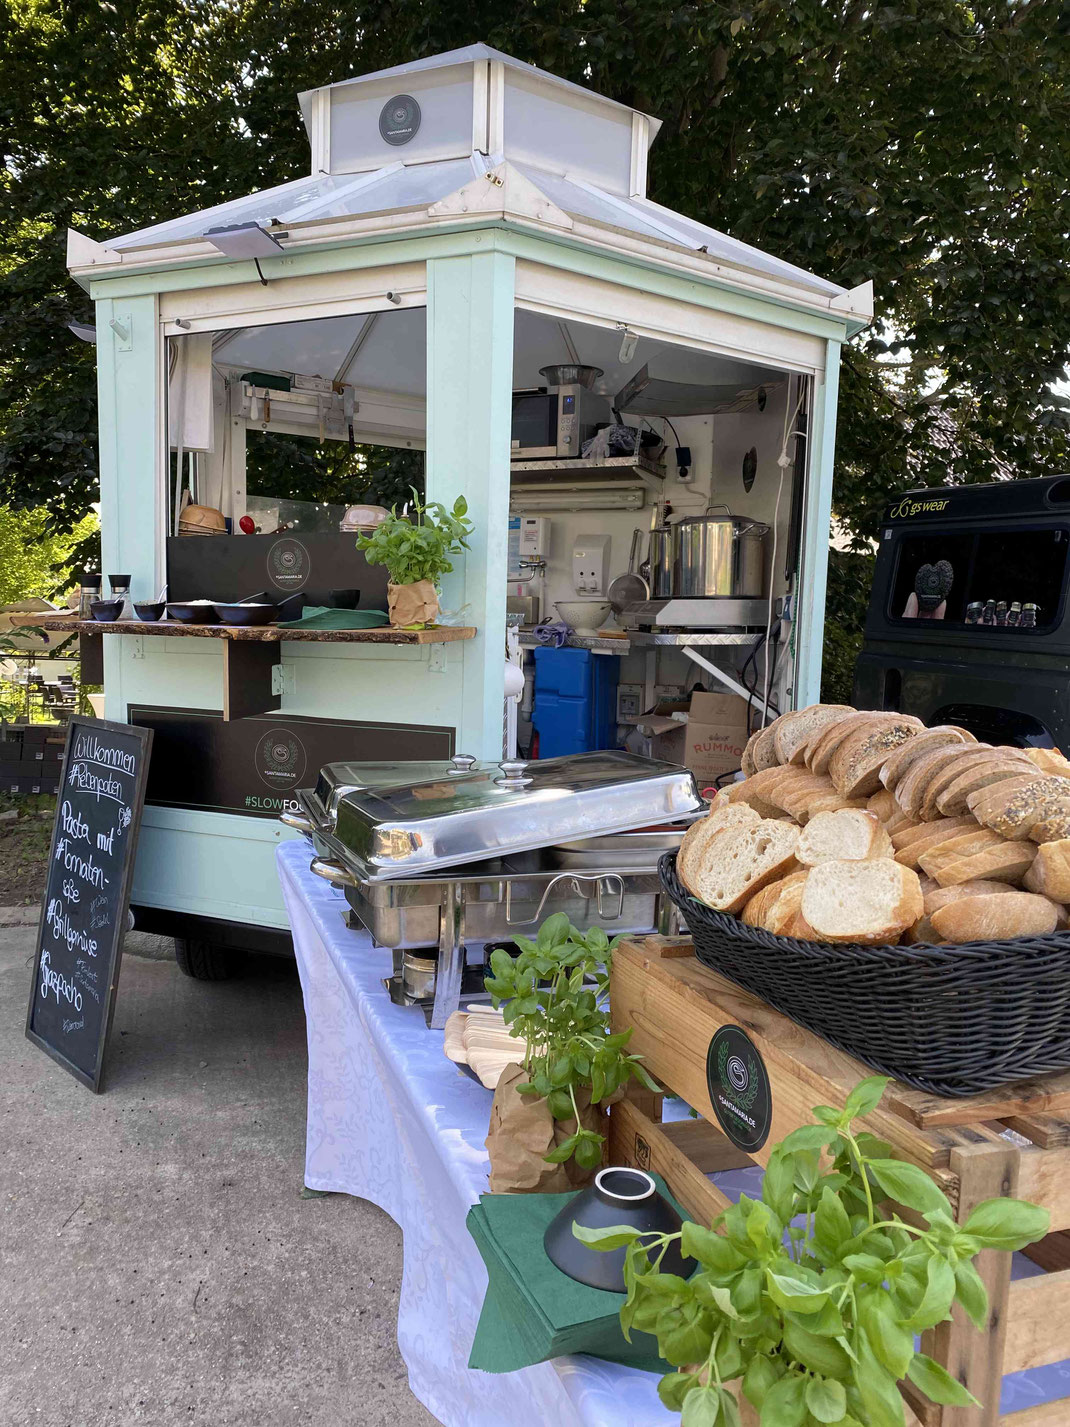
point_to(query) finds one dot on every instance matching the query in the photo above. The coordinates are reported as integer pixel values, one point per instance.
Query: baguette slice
(913, 785)
(819, 726)
(1049, 760)
(762, 909)
(764, 751)
(883, 806)
(967, 844)
(695, 840)
(1013, 808)
(1050, 873)
(980, 769)
(995, 918)
(1009, 862)
(741, 861)
(867, 902)
(821, 747)
(934, 897)
(851, 835)
(910, 841)
(792, 730)
(856, 765)
(786, 910)
(897, 763)
(746, 762)
(1053, 828)
(795, 797)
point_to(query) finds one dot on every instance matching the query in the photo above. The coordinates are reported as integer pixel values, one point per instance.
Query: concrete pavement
(158, 1264)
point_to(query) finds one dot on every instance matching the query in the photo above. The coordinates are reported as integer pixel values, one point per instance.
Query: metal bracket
(436, 662)
(123, 327)
(283, 679)
(137, 647)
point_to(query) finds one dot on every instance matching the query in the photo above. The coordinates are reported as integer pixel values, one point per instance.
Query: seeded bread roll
(927, 739)
(792, 730)
(1051, 829)
(851, 835)
(980, 769)
(855, 766)
(741, 861)
(1007, 862)
(1014, 808)
(868, 902)
(995, 918)
(1050, 873)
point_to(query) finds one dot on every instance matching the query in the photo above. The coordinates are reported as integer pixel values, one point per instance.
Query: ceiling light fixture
(245, 240)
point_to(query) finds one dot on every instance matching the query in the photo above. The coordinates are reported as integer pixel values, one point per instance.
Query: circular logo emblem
(399, 120)
(280, 758)
(288, 565)
(738, 1085)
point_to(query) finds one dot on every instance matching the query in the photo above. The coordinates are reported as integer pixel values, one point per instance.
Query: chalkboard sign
(84, 912)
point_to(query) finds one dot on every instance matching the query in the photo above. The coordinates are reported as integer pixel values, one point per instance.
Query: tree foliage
(34, 558)
(921, 143)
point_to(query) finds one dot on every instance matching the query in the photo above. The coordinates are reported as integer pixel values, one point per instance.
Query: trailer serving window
(996, 578)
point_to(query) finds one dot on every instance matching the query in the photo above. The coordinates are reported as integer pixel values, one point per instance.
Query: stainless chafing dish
(462, 852)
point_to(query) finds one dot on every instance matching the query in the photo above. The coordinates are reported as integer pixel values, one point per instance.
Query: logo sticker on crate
(738, 1084)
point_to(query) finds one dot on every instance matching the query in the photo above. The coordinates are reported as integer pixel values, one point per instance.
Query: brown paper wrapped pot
(522, 1131)
(412, 604)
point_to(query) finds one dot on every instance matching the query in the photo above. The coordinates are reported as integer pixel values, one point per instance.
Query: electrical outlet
(629, 701)
(283, 679)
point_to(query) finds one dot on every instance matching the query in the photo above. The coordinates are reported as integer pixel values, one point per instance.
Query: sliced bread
(1052, 828)
(821, 746)
(792, 730)
(764, 751)
(1049, 760)
(900, 759)
(913, 785)
(746, 762)
(934, 897)
(979, 768)
(995, 918)
(1014, 807)
(856, 764)
(850, 835)
(740, 861)
(1002, 862)
(953, 849)
(1050, 873)
(882, 805)
(696, 838)
(869, 902)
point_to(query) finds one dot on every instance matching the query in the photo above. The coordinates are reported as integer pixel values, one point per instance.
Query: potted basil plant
(417, 550)
(804, 1304)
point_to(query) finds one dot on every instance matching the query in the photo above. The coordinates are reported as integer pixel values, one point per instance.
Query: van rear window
(998, 578)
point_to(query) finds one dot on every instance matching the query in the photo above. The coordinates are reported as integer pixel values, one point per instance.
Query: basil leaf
(820, 1355)
(938, 1384)
(807, 1137)
(715, 1296)
(878, 1390)
(614, 1237)
(785, 1403)
(935, 1305)
(826, 1400)
(865, 1096)
(710, 1248)
(758, 1379)
(702, 1408)
(909, 1185)
(778, 1184)
(563, 1151)
(832, 1227)
(788, 1291)
(866, 1267)
(971, 1293)
(674, 1387)
(1007, 1223)
(892, 1344)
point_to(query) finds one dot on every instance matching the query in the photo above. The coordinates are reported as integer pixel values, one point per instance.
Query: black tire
(205, 960)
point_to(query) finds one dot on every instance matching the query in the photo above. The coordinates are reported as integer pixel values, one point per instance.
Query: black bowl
(149, 611)
(617, 1196)
(105, 609)
(246, 613)
(192, 613)
(344, 599)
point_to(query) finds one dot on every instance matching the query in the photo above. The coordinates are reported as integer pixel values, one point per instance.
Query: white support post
(469, 387)
(817, 527)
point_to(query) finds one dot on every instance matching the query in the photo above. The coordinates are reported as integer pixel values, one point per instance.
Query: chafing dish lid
(336, 779)
(489, 811)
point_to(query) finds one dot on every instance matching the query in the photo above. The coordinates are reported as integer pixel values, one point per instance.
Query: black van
(968, 619)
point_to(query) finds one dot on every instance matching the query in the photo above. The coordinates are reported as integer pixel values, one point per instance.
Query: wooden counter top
(255, 633)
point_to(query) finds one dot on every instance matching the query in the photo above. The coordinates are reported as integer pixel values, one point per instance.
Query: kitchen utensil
(192, 612)
(247, 525)
(629, 588)
(106, 609)
(88, 592)
(149, 610)
(718, 555)
(619, 849)
(583, 616)
(659, 562)
(617, 1196)
(569, 374)
(246, 613)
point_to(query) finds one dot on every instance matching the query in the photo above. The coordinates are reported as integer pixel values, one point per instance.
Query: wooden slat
(705, 1146)
(1038, 1322)
(1048, 1414)
(1045, 1179)
(985, 1171)
(1048, 1131)
(636, 1140)
(1052, 1253)
(676, 1006)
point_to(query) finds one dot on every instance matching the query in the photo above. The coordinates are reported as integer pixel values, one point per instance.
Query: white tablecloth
(391, 1120)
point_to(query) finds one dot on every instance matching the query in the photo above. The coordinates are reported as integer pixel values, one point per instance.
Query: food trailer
(471, 269)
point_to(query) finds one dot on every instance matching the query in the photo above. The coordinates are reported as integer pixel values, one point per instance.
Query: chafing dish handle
(603, 882)
(298, 821)
(332, 872)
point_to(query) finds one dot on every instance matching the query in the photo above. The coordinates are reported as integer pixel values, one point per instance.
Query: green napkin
(323, 617)
(532, 1310)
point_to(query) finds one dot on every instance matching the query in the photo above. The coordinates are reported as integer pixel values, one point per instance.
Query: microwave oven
(555, 423)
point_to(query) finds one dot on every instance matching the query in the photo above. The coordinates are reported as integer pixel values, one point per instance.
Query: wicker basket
(953, 1020)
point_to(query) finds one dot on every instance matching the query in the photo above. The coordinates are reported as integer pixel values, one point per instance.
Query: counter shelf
(250, 652)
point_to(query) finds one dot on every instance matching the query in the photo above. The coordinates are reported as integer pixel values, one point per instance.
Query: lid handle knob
(462, 763)
(512, 773)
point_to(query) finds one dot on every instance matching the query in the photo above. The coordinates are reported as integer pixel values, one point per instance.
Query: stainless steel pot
(718, 555)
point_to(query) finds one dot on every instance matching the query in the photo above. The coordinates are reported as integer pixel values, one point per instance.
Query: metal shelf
(649, 639)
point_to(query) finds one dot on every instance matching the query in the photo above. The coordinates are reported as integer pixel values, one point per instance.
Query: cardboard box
(716, 736)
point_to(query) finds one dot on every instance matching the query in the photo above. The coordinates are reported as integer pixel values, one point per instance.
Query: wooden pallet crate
(1011, 1141)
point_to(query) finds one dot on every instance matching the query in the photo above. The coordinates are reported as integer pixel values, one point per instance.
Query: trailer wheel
(205, 960)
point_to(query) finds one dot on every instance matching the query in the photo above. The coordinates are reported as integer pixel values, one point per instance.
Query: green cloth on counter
(323, 617)
(533, 1311)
